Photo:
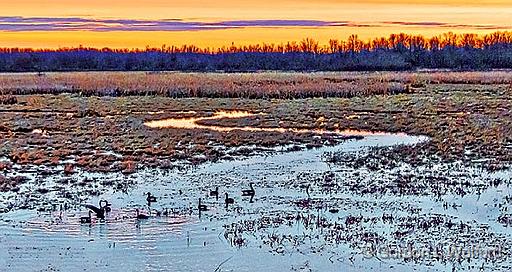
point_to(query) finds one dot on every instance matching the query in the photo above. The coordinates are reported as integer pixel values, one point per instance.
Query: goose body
(86, 219)
(201, 207)
(249, 192)
(141, 216)
(333, 210)
(228, 200)
(150, 198)
(215, 193)
(100, 212)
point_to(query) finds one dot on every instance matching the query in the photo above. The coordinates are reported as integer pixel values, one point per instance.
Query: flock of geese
(105, 207)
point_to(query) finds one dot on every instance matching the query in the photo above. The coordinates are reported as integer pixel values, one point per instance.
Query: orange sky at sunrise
(129, 24)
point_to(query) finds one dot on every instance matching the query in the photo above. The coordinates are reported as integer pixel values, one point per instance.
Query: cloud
(444, 25)
(18, 23)
(415, 23)
(279, 23)
(77, 23)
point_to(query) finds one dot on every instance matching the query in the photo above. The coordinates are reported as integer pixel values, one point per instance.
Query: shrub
(8, 99)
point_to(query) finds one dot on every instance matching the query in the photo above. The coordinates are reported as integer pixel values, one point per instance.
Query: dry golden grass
(253, 85)
(448, 77)
(240, 85)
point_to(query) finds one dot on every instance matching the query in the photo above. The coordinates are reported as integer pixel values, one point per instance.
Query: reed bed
(449, 77)
(254, 85)
(239, 85)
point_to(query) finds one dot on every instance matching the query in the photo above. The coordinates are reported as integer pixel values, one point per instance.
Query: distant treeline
(396, 52)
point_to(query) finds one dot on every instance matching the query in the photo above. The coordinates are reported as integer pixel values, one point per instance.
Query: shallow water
(282, 229)
(192, 123)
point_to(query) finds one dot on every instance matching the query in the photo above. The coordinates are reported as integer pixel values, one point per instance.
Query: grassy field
(467, 115)
(249, 85)
(178, 85)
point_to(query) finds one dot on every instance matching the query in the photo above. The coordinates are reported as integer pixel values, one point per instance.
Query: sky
(137, 24)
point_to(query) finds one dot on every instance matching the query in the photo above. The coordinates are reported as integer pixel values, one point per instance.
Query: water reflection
(192, 123)
(288, 224)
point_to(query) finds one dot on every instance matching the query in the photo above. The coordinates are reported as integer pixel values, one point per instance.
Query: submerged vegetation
(396, 52)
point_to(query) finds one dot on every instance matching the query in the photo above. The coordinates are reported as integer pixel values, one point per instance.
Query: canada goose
(86, 219)
(150, 198)
(249, 192)
(100, 212)
(140, 215)
(201, 207)
(333, 210)
(215, 193)
(105, 205)
(229, 200)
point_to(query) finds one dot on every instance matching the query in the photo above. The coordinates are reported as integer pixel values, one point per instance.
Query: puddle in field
(333, 225)
(192, 123)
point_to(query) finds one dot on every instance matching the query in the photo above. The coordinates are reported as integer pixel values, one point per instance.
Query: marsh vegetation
(346, 175)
